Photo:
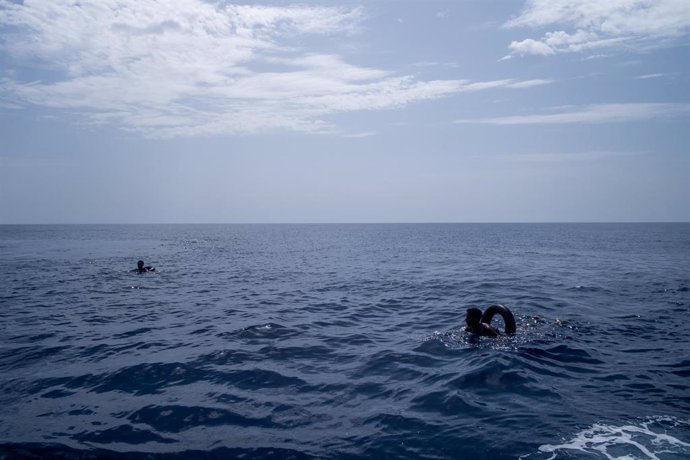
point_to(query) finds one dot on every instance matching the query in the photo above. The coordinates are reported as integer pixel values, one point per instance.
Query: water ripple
(343, 341)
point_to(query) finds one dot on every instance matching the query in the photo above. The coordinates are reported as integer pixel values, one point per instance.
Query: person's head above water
(143, 269)
(473, 316)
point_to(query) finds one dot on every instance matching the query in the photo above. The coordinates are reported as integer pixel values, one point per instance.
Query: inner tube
(508, 318)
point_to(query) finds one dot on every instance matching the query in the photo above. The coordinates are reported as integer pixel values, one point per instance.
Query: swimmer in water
(473, 318)
(142, 269)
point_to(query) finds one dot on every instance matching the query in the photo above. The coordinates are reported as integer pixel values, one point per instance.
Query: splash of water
(648, 439)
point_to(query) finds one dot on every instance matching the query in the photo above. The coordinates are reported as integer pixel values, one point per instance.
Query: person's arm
(489, 330)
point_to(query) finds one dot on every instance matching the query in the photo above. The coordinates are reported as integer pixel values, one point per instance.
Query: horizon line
(357, 223)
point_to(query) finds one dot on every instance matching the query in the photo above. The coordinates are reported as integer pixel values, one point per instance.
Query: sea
(344, 341)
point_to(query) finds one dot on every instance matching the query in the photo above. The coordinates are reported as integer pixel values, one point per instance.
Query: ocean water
(344, 341)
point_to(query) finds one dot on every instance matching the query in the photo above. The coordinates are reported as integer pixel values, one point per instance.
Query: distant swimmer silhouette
(480, 323)
(143, 269)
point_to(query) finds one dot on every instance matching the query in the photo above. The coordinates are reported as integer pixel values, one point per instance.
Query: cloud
(506, 83)
(191, 68)
(650, 75)
(598, 113)
(530, 46)
(529, 83)
(599, 24)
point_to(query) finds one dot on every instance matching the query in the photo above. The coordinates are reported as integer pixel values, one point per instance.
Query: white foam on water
(647, 440)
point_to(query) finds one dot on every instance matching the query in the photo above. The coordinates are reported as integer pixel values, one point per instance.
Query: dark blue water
(344, 341)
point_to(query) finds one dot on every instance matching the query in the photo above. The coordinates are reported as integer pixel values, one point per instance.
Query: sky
(208, 111)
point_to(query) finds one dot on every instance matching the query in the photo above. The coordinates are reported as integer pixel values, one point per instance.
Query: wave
(300, 341)
(654, 438)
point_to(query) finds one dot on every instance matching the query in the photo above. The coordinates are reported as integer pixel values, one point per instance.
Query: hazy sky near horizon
(119, 111)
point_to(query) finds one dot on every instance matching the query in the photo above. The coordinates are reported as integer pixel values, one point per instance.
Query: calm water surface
(344, 341)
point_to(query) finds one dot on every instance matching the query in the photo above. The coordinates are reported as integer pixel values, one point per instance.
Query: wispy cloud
(505, 83)
(650, 75)
(598, 113)
(190, 67)
(529, 83)
(595, 25)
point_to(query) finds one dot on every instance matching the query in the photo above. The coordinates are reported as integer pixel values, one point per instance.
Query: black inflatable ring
(507, 315)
